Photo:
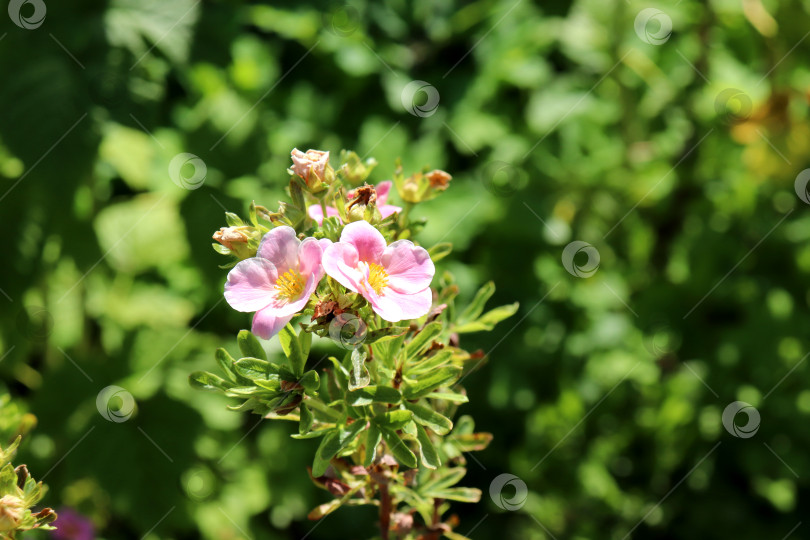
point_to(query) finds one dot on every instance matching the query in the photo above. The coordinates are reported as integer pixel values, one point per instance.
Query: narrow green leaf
(398, 448)
(250, 346)
(305, 423)
(292, 349)
(488, 320)
(421, 340)
(449, 395)
(461, 494)
(373, 436)
(253, 368)
(305, 341)
(370, 394)
(427, 452)
(476, 307)
(426, 384)
(395, 419)
(333, 444)
(311, 382)
(208, 381)
(225, 362)
(384, 334)
(440, 251)
(429, 418)
(359, 376)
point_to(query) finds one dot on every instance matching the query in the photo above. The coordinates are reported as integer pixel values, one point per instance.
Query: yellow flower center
(377, 277)
(290, 285)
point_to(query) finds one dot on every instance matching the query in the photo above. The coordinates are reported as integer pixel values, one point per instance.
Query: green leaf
(333, 443)
(431, 363)
(292, 349)
(305, 341)
(395, 419)
(384, 334)
(373, 436)
(225, 362)
(476, 307)
(370, 394)
(250, 346)
(471, 442)
(208, 381)
(305, 422)
(311, 382)
(422, 339)
(429, 418)
(359, 376)
(268, 384)
(488, 321)
(398, 448)
(449, 395)
(427, 452)
(425, 385)
(253, 368)
(461, 494)
(440, 251)
(8, 479)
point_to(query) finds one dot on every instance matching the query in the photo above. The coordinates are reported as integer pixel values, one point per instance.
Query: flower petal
(394, 306)
(266, 324)
(382, 189)
(251, 284)
(388, 209)
(316, 212)
(367, 240)
(280, 247)
(309, 256)
(409, 267)
(340, 263)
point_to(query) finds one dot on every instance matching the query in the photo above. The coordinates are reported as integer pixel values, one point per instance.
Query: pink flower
(311, 162)
(383, 188)
(278, 281)
(395, 279)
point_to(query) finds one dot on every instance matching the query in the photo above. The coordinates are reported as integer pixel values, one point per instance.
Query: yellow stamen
(290, 285)
(377, 277)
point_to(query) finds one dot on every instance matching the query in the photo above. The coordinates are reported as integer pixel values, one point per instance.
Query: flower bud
(354, 170)
(11, 513)
(313, 168)
(237, 240)
(422, 187)
(363, 205)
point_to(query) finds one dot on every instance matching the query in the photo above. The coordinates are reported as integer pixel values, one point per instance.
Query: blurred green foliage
(558, 121)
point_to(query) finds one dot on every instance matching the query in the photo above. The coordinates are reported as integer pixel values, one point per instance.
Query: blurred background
(667, 139)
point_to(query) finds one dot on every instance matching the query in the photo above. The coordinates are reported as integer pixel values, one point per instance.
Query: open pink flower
(383, 188)
(395, 279)
(278, 281)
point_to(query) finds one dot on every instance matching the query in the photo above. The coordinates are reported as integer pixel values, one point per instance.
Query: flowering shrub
(343, 265)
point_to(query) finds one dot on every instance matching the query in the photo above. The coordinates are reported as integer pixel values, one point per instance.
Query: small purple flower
(71, 525)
